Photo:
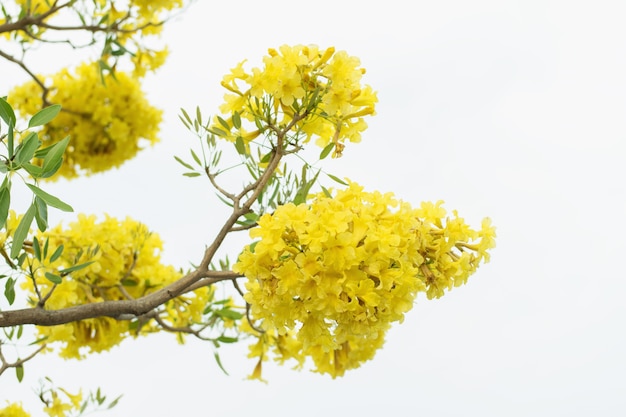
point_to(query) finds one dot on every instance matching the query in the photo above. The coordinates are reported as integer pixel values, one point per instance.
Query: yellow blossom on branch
(108, 120)
(123, 259)
(335, 273)
(318, 91)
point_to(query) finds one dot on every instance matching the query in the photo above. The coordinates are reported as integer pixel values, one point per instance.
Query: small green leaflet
(9, 290)
(54, 278)
(337, 179)
(49, 199)
(22, 230)
(6, 112)
(44, 116)
(327, 150)
(19, 372)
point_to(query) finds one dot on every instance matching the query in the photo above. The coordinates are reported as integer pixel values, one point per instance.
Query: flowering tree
(328, 270)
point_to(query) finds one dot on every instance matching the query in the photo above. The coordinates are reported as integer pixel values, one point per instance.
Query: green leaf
(57, 253)
(192, 174)
(49, 199)
(54, 278)
(240, 146)
(75, 267)
(217, 131)
(236, 120)
(129, 283)
(266, 158)
(27, 148)
(33, 170)
(114, 402)
(326, 192)
(227, 313)
(224, 123)
(183, 163)
(219, 362)
(187, 118)
(327, 149)
(37, 249)
(44, 116)
(41, 214)
(226, 339)
(22, 230)
(340, 181)
(9, 290)
(19, 372)
(6, 112)
(5, 203)
(195, 157)
(53, 159)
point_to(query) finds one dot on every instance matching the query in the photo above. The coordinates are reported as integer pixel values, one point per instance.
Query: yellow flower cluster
(335, 273)
(322, 85)
(106, 122)
(57, 405)
(125, 258)
(13, 410)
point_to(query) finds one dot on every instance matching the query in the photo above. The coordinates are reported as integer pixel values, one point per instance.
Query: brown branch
(4, 364)
(123, 309)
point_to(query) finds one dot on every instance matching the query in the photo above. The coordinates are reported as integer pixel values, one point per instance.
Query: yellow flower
(107, 122)
(14, 410)
(298, 79)
(333, 275)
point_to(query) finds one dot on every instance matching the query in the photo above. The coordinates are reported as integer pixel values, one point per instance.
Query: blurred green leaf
(49, 199)
(5, 203)
(75, 267)
(6, 112)
(340, 181)
(236, 120)
(27, 148)
(183, 163)
(9, 290)
(327, 149)
(41, 214)
(57, 253)
(19, 372)
(22, 230)
(240, 145)
(54, 278)
(44, 116)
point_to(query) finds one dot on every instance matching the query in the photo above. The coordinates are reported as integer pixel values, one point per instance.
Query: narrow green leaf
(19, 372)
(183, 163)
(327, 149)
(186, 115)
(54, 156)
(326, 192)
(49, 199)
(240, 146)
(192, 174)
(195, 157)
(340, 181)
(37, 249)
(6, 112)
(57, 253)
(75, 267)
(198, 115)
(227, 313)
(217, 131)
(236, 120)
(41, 214)
(226, 339)
(54, 278)
(44, 116)
(27, 148)
(114, 402)
(33, 170)
(22, 230)
(219, 362)
(224, 123)
(9, 290)
(5, 203)
(266, 158)
(20, 329)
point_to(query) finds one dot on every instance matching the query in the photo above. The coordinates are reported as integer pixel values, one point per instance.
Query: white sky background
(512, 110)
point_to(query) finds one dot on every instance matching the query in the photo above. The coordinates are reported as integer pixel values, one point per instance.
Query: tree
(329, 269)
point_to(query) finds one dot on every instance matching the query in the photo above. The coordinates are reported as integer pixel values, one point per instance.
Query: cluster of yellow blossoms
(125, 264)
(106, 122)
(326, 279)
(323, 87)
(60, 404)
